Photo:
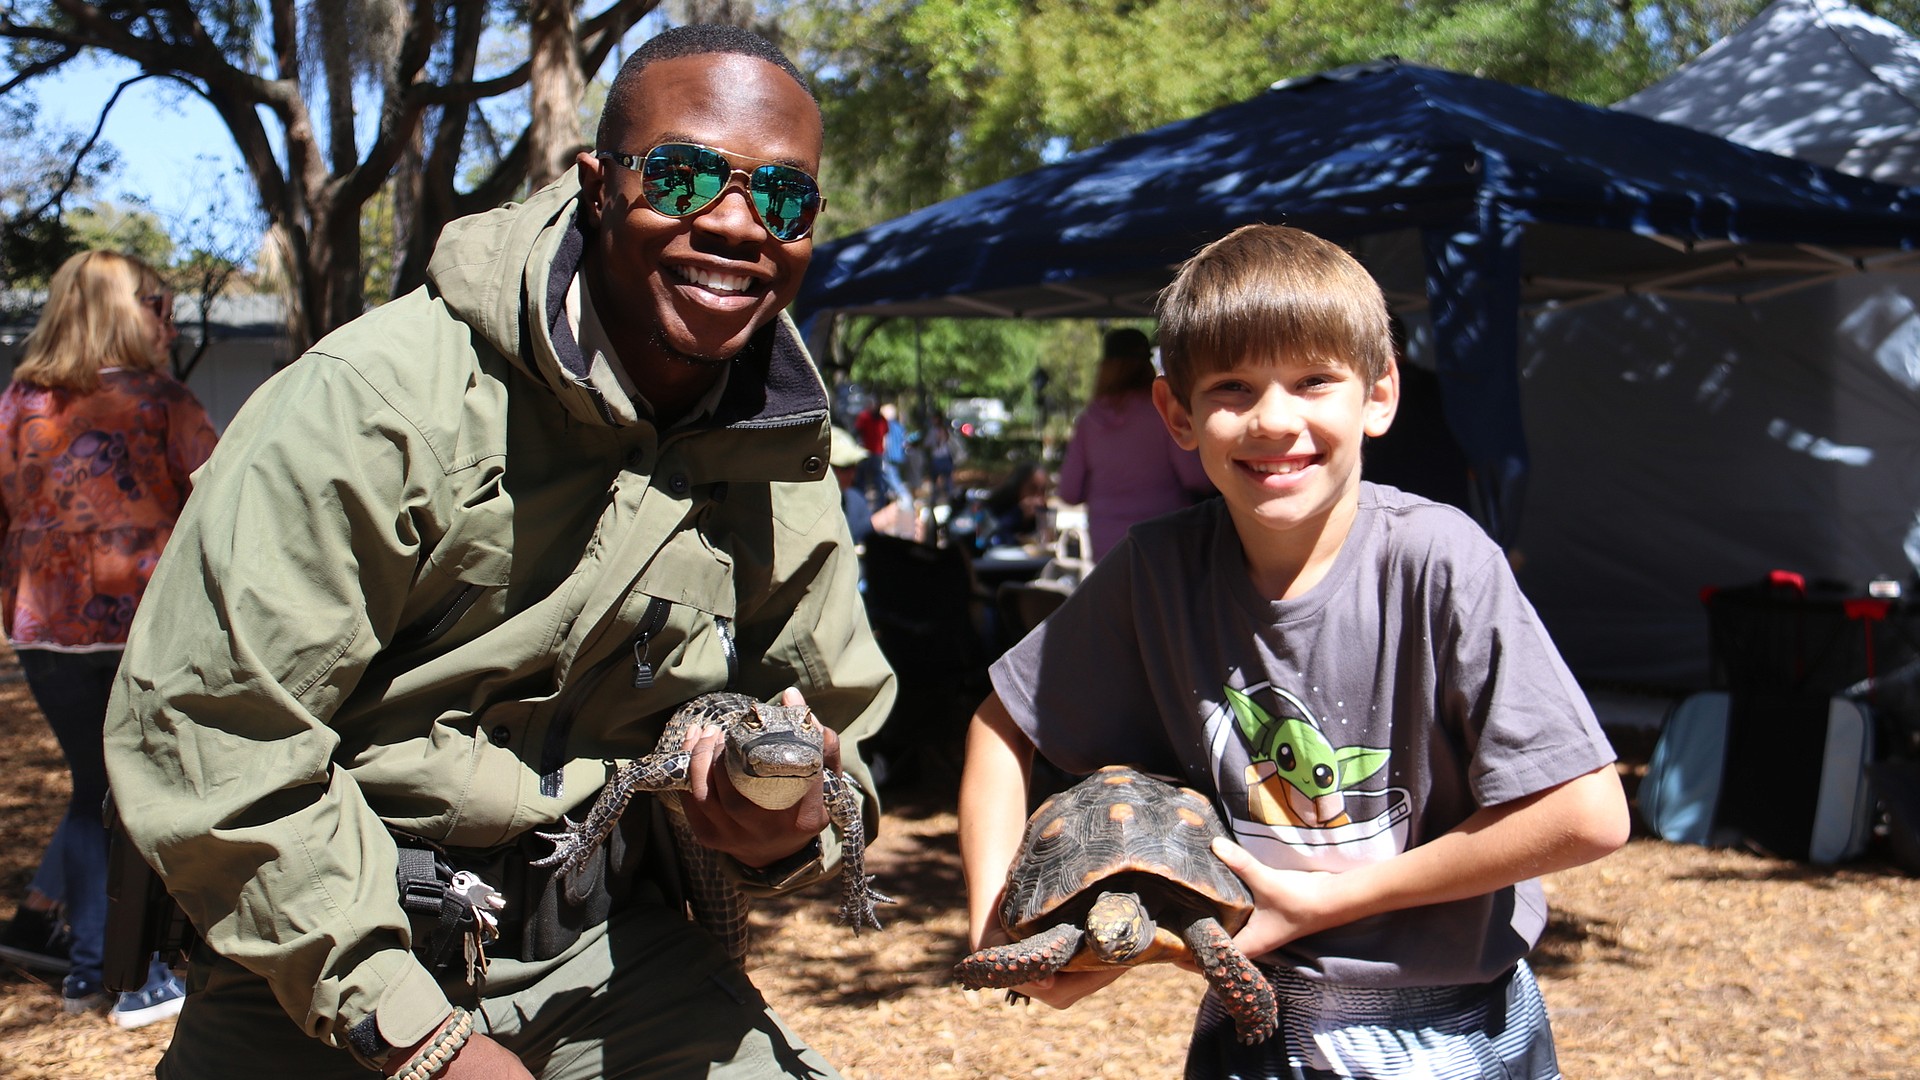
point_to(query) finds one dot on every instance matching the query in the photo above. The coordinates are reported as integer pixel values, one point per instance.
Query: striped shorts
(1329, 1032)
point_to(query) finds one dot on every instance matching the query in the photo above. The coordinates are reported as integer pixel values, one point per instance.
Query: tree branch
(39, 68)
(601, 32)
(399, 110)
(54, 200)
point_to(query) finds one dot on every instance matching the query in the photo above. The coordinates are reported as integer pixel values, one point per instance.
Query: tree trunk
(557, 84)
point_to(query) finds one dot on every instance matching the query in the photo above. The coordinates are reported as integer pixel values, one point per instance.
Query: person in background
(468, 552)
(893, 518)
(893, 465)
(1121, 462)
(871, 426)
(1351, 672)
(845, 455)
(939, 447)
(1015, 511)
(97, 445)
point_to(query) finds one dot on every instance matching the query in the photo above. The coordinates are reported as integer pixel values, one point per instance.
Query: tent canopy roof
(1371, 149)
(1819, 80)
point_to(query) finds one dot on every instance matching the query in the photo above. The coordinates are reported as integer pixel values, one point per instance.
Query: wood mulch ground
(1663, 960)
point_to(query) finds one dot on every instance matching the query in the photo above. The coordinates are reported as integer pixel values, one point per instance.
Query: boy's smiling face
(1281, 440)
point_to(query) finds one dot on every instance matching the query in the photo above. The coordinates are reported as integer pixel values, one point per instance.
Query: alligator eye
(1323, 775)
(1285, 756)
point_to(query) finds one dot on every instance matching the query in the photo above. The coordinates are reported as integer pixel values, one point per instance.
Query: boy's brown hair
(1270, 291)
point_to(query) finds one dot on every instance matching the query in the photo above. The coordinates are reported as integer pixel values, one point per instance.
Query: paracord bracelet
(434, 1056)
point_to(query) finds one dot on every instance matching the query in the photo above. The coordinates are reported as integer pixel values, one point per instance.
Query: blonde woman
(96, 445)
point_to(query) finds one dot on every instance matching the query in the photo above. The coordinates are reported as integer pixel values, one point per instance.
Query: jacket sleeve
(280, 583)
(809, 629)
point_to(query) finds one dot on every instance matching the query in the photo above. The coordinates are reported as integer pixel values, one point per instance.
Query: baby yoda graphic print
(1295, 798)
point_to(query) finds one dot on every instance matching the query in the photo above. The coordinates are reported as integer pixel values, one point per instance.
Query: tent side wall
(1678, 445)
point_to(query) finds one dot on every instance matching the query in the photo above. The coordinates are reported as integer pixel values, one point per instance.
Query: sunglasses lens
(787, 200)
(679, 179)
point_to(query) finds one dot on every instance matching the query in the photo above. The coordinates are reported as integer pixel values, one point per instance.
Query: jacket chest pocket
(472, 564)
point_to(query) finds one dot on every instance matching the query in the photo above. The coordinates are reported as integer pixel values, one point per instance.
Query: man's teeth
(718, 282)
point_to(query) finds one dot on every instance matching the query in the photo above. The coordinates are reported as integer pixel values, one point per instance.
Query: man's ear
(593, 180)
(1383, 400)
(1174, 411)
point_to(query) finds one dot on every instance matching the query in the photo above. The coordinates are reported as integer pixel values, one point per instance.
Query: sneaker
(80, 993)
(161, 998)
(36, 940)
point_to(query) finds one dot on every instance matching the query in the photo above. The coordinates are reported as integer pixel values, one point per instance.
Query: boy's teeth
(1280, 468)
(718, 282)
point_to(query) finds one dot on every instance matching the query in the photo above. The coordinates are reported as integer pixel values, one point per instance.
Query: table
(1003, 564)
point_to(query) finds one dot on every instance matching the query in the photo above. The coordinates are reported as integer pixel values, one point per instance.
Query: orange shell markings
(1120, 813)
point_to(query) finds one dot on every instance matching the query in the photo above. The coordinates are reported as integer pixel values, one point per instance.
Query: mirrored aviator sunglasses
(682, 179)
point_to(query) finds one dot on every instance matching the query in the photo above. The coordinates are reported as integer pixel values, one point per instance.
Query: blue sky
(175, 155)
(170, 141)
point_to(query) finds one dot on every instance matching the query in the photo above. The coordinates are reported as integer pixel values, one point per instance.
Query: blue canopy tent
(1472, 198)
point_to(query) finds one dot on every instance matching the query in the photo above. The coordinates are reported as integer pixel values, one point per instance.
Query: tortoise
(1118, 870)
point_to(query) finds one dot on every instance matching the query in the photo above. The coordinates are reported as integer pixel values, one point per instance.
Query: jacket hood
(506, 272)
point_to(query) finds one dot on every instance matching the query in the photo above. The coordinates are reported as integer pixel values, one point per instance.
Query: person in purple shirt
(1121, 462)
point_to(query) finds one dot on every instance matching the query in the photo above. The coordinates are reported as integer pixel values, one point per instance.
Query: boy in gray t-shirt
(1352, 671)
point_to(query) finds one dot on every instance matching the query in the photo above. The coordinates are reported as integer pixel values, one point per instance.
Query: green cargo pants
(647, 995)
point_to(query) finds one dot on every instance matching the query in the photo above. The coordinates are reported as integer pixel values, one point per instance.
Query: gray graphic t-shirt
(1409, 688)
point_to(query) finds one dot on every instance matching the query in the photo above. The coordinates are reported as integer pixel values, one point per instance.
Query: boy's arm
(1564, 826)
(993, 818)
(993, 801)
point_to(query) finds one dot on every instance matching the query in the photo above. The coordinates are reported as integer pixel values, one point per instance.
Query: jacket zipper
(457, 607)
(727, 647)
(651, 624)
(553, 755)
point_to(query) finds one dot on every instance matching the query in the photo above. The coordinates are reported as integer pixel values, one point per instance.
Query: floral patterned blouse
(90, 485)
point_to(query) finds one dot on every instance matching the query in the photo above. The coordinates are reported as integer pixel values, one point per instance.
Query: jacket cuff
(813, 863)
(408, 1010)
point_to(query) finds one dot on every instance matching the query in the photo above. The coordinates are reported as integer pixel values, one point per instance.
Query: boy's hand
(1288, 904)
(1064, 988)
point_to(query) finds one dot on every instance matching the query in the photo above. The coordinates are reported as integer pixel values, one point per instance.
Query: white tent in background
(1818, 80)
(1795, 416)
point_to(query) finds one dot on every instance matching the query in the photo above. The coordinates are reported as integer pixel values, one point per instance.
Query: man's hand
(480, 1059)
(727, 821)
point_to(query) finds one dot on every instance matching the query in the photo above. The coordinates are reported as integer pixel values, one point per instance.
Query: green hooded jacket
(411, 589)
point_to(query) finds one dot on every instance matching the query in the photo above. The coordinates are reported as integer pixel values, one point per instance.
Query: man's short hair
(698, 39)
(1268, 292)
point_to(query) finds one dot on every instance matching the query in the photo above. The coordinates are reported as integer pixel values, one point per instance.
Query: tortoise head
(1118, 927)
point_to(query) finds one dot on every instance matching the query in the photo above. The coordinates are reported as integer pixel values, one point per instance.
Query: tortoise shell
(1120, 822)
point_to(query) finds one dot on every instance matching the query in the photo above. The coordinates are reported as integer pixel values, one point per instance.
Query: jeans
(71, 690)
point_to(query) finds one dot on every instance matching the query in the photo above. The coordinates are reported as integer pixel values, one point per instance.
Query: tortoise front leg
(1022, 961)
(1243, 990)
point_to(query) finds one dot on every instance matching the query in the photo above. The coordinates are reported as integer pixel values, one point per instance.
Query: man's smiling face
(680, 294)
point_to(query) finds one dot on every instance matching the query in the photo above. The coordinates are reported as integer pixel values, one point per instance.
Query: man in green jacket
(452, 567)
